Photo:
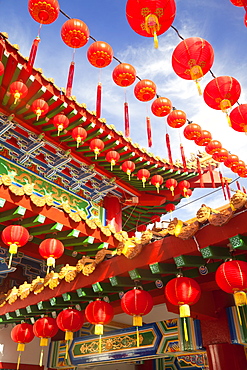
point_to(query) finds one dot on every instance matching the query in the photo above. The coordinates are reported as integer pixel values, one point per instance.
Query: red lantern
(1, 68)
(141, 228)
(124, 75)
(238, 117)
(60, 121)
(186, 193)
(221, 155)
(70, 321)
(131, 234)
(242, 172)
(231, 277)
(44, 328)
(192, 131)
(143, 175)
(192, 59)
(40, 108)
(204, 138)
(171, 184)
(96, 145)
(177, 118)
(15, 236)
(150, 18)
(137, 303)
(51, 249)
(128, 167)
(184, 186)
(222, 93)
(19, 90)
(79, 134)
(232, 160)
(22, 334)
(154, 219)
(183, 292)
(170, 207)
(161, 107)
(213, 147)
(145, 90)
(100, 54)
(238, 167)
(112, 156)
(44, 12)
(99, 313)
(75, 34)
(157, 181)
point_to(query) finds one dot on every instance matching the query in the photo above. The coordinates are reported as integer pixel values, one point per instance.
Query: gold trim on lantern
(184, 310)
(43, 342)
(99, 329)
(21, 347)
(50, 261)
(137, 320)
(69, 335)
(240, 298)
(13, 248)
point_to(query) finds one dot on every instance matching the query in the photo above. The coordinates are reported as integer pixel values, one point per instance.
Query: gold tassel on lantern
(99, 330)
(137, 321)
(43, 343)
(68, 338)
(240, 300)
(196, 74)
(12, 250)
(152, 26)
(20, 349)
(184, 311)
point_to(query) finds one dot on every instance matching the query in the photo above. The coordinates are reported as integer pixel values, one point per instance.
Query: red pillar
(225, 356)
(113, 212)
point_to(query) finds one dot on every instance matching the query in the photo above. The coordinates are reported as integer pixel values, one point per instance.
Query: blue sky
(219, 22)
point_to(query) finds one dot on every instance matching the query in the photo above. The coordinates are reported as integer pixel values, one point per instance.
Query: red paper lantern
(171, 184)
(186, 193)
(221, 155)
(183, 292)
(231, 277)
(157, 181)
(150, 18)
(232, 160)
(141, 228)
(96, 145)
(128, 167)
(154, 219)
(44, 328)
(22, 334)
(70, 321)
(204, 138)
(184, 186)
(137, 303)
(145, 90)
(15, 236)
(99, 313)
(170, 207)
(213, 147)
(51, 249)
(112, 156)
(19, 90)
(131, 234)
(222, 93)
(161, 107)
(79, 134)
(238, 167)
(124, 74)
(100, 54)
(75, 33)
(60, 121)
(1, 68)
(177, 118)
(39, 107)
(238, 117)
(192, 131)
(44, 12)
(192, 59)
(242, 172)
(143, 175)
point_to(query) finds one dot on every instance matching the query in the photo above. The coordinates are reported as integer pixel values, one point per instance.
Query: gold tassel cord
(100, 344)
(185, 331)
(137, 337)
(41, 357)
(18, 361)
(156, 42)
(240, 300)
(198, 88)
